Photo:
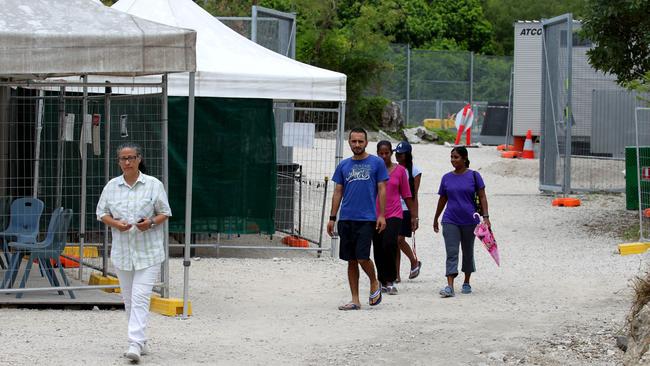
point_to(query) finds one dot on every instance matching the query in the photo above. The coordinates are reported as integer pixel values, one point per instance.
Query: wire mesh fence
(587, 119)
(640, 175)
(437, 84)
(57, 151)
(268, 28)
(307, 147)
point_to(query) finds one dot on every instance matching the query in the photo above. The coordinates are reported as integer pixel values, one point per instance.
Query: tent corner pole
(165, 180)
(188, 193)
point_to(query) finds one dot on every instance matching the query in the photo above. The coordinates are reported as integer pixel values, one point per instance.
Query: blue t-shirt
(359, 179)
(459, 190)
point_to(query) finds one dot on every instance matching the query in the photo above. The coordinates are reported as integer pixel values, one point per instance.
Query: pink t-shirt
(397, 187)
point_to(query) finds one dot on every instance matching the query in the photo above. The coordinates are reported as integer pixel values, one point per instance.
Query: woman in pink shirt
(385, 242)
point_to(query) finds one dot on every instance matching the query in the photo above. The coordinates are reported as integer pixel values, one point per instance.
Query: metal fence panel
(555, 108)
(587, 119)
(51, 152)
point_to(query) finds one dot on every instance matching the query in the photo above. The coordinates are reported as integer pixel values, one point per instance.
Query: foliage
(444, 135)
(620, 31)
(503, 13)
(367, 113)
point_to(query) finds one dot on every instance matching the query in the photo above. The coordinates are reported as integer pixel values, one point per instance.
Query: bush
(444, 135)
(366, 112)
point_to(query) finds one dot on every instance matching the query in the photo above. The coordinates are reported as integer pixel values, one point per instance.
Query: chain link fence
(587, 119)
(437, 84)
(57, 152)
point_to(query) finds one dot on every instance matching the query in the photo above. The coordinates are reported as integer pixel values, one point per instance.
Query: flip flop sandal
(350, 306)
(375, 298)
(415, 271)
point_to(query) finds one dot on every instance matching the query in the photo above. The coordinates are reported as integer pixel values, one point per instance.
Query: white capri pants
(136, 287)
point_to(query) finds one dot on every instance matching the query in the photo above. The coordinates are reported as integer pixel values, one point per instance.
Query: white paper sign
(68, 131)
(296, 134)
(86, 130)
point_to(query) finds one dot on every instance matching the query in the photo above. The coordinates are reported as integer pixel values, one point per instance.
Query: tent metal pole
(84, 172)
(188, 194)
(107, 168)
(165, 180)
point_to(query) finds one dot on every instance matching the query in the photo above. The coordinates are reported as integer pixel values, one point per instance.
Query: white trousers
(136, 287)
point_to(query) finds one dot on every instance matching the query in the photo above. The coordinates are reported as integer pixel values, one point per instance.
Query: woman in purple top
(385, 242)
(457, 190)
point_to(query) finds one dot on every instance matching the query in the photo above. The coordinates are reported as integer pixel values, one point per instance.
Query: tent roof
(42, 38)
(229, 65)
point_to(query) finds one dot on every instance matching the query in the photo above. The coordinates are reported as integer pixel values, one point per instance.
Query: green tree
(620, 31)
(503, 13)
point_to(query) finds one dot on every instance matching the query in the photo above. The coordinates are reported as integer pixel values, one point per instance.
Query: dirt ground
(559, 297)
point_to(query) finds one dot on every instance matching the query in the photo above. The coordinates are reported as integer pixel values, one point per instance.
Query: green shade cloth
(234, 176)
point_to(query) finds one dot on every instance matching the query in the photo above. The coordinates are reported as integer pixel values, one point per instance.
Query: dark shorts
(405, 230)
(356, 238)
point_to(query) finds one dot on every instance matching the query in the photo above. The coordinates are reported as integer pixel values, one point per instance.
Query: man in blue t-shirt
(359, 181)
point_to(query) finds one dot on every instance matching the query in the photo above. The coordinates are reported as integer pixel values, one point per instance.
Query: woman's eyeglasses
(124, 159)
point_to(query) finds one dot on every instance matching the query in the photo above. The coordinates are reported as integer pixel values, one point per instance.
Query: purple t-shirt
(459, 190)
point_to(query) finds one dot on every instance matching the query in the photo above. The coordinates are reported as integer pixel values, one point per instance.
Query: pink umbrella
(484, 233)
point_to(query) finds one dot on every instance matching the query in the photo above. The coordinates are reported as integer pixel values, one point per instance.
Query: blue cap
(403, 147)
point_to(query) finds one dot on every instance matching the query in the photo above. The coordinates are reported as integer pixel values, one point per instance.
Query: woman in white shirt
(135, 205)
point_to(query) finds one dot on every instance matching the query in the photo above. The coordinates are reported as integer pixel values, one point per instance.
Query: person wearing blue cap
(404, 156)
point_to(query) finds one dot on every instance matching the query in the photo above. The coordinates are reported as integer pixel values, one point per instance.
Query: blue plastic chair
(44, 252)
(24, 216)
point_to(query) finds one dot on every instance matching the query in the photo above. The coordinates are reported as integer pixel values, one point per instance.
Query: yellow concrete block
(432, 123)
(632, 248)
(449, 123)
(89, 252)
(169, 307)
(437, 123)
(98, 279)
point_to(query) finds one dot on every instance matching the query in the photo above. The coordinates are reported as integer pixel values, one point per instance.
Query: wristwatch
(153, 223)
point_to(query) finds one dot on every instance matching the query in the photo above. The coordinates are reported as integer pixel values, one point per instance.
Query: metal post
(638, 173)
(509, 119)
(569, 108)
(340, 127)
(84, 172)
(188, 193)
(107, 168)
(299, 200)
(322, 215)
(37, 147)
(471, 78)
(254, 24)
(60, 149)
(165, 180)
(408, 83)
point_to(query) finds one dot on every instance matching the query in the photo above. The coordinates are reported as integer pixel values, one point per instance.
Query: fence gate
(555, 159)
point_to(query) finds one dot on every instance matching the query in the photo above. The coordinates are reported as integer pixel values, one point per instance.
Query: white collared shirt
(135, 249)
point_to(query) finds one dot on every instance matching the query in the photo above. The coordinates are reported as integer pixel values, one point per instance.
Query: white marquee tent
(229, 65)
(43, 38)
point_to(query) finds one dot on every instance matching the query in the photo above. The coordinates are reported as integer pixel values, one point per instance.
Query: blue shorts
(356, 239)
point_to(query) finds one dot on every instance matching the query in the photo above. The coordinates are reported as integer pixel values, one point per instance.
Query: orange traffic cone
(528, 152)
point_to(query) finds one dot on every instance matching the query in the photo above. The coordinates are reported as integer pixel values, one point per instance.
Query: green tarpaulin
(234, 180)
